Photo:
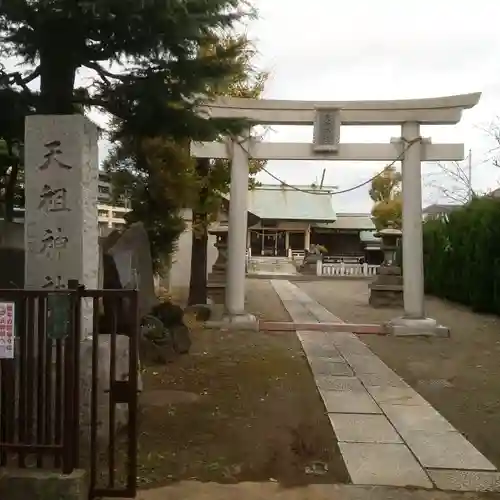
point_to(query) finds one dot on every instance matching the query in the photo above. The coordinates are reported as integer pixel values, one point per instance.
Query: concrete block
(34, 484)
(327, 366)
(332, 383)
(465, 480)
(387, 379)
(349, 402)
(383, 464)
(407, 419)
(396, 396)
(448, 450)
(355, 428)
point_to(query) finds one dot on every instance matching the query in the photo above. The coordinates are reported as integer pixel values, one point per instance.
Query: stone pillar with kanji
(61, 186)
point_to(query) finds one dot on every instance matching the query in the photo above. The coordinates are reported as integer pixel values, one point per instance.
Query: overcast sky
(379, 49)
(383, 49)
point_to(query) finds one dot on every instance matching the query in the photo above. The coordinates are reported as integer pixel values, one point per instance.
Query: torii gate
(327, 117)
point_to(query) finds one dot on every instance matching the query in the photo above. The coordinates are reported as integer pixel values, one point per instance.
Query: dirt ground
(459, 376)
(241, 406)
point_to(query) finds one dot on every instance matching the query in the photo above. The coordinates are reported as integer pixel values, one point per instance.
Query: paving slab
(407, 419)
(448, 450)
(315, 337)
(384, 464)
(298, 312)
(366, 363)
(349, 402)
(313, 350)
(388, 434)
(331, 383)
(397, 396)
(355, 428)
(327, 366)
(386, 379)
(322, 314)
(465, 480)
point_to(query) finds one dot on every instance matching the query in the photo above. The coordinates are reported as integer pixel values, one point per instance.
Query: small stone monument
(216, 284)
(387, 289)
(311, 259)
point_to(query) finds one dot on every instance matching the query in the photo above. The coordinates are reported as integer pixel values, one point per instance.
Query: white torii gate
(328, 117)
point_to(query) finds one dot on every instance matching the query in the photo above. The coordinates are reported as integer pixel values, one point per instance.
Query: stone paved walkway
(387, 433)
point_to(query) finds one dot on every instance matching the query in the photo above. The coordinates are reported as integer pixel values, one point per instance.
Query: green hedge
(462, 256)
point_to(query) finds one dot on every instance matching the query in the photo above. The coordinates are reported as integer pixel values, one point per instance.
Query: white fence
(296, 254)
(342, 269)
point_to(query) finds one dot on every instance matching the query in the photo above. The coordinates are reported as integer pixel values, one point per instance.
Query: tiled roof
(369, 237)
(362, 222)
(276, 202)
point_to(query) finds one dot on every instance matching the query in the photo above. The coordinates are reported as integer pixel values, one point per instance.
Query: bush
(462, 256)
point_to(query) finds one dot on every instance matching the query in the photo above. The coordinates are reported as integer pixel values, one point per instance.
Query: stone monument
(311, 257)
(216, 283)
(62, 239)
(387, 288)
(61, 185)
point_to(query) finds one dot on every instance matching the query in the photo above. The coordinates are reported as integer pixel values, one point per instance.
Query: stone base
(386, 296)
(389, 271)
(20, 484)
(216, 292)
(424, 327)
(236, 322)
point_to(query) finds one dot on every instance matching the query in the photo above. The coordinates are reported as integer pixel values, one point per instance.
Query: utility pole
(470, 175)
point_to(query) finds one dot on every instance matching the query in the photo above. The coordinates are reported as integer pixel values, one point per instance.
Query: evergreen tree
(154, 45)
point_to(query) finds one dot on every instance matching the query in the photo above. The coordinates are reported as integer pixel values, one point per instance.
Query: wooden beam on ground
(346, 152)
(291, 326)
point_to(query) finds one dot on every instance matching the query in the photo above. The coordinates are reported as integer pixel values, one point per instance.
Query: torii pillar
(237, 237)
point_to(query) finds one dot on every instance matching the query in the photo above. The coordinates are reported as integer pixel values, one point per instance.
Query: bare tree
(492, 130)
(453, 181)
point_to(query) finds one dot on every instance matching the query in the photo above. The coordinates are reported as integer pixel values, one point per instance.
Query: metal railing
(40, 388)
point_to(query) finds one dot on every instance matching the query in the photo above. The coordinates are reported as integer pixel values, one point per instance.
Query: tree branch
(17, 79)
(106, 75)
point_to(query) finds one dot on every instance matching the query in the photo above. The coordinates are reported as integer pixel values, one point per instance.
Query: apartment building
(109, 216)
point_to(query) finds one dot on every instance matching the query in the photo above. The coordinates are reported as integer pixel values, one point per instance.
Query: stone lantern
(216, 283)
(387, 289)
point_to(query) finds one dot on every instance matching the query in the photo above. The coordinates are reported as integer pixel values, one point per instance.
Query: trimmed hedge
(462, 256)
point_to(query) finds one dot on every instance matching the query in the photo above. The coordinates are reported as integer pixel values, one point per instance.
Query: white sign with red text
(7, 333)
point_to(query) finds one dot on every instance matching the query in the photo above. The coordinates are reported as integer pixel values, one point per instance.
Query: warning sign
(7, 329)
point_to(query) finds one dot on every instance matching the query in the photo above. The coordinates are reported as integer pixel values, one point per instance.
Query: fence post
(342, 269)
(319, 268)
(365, 269)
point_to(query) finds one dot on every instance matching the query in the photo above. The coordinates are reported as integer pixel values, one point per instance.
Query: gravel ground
(242, 406)
(459, 376)
(264, 302)
(260, 299)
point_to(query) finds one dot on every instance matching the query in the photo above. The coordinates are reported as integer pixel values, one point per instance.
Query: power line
(409, 144)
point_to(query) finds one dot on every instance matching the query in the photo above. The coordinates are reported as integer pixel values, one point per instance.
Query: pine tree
(154, 45)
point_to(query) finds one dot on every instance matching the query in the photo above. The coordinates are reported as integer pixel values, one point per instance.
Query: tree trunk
(11, 184)
(198, 279)
(57, 81)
